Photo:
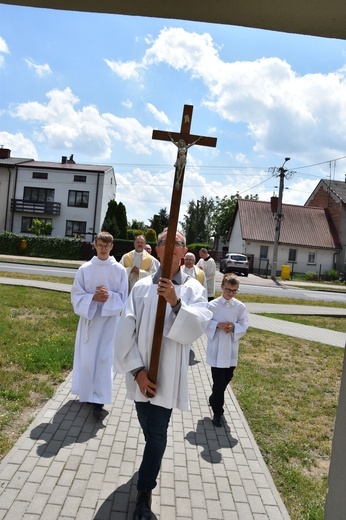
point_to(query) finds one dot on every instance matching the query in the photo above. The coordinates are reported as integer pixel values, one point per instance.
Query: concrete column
(336, 497)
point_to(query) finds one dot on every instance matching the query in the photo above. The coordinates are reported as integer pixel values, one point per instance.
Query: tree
(198, 219)
(122, 220)
(224, 213)
(110, 222)
(41, 227)
(150, 235)
(159, 221)
(115, 221)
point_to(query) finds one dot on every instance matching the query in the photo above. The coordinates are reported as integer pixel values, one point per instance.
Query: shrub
(331, 275)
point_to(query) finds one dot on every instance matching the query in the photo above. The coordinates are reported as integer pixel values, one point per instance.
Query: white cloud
(3, 50)
(127, 103)
(19, 145)
(284, 112)
(40, 70)
(126, 70)
(61, 125)
(159, 115)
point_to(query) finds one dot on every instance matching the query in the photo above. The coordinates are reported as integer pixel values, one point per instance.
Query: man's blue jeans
(154, 421)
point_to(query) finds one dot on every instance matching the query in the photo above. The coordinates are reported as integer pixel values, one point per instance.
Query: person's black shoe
(143, 506)
(217, 421)
(98, 410)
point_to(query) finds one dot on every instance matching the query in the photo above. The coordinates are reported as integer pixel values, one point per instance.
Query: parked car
(235, 263)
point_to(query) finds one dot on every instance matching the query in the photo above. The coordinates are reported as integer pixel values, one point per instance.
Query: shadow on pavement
(120, 503)
(211, 439)
(72, 423)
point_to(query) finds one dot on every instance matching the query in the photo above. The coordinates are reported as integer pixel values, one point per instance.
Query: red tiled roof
(301, 225)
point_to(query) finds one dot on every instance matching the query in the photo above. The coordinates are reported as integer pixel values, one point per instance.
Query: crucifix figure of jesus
(183, 140)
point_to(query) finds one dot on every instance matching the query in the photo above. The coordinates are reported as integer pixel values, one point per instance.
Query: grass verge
(288, 390)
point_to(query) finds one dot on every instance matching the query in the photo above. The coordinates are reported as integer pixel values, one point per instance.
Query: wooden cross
(183, 140)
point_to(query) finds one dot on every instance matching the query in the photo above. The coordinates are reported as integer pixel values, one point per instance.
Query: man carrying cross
(185, 321)
(163, 316)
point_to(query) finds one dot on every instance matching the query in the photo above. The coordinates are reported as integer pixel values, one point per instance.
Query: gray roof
(13, 161)
(301, 225)
(66, 166)
(338, 188)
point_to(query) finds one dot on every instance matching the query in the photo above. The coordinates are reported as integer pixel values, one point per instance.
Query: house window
(27, 223)
(79, 199)
(292, 255)
(75, 228)
(39, 175)
(264, 252)
(79, 178)
(38, 195)
(312, 257)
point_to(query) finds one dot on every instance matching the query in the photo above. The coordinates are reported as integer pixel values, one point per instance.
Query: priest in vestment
(186, 319)
(191, 269)
(98, 295)
(138, 263)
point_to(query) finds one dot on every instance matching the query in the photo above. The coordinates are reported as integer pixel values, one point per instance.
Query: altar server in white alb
(98, 295)
(229, 324)
(186, 319)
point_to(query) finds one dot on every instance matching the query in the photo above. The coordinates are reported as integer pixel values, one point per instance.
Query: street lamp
(282, 173)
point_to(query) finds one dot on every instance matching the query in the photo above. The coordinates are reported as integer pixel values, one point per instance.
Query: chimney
(71, 161)
(274, 201)
(64, 159)
(5, 153)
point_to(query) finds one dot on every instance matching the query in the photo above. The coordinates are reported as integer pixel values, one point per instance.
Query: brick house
(331, 195)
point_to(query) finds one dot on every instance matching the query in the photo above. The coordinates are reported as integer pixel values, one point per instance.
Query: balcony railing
(43, 208)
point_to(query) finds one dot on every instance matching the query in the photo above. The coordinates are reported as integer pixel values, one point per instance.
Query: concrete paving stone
(244, 511)
(167, 479)
(250, 486)
(84, 471)
(51, 512)
(37, 504)
(18, 480)
(95, 481)
(256, 504)
(100, 465)
(214, 509)
(180, 474)
(167, 496)
(239, 494)
(66, 477)
(55, 469)
(7, 497)
(8, 473)
(182, 490)
(17, 510)
(47, 485)
(275, 513)
(230, 515)
(267, 496)
(226, 500)
(90, 498)
(199, 514)
(78, 488)
(210, 491)
(58, 495)
(70, 507)
(27, 492)
(183, 507)
(245, 473)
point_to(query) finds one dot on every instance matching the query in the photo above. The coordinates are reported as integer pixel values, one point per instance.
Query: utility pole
(282, 173)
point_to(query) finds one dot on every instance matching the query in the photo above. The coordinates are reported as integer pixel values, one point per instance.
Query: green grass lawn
(286, 387)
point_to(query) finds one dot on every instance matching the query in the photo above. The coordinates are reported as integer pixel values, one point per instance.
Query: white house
(73, 197)
(308, 239)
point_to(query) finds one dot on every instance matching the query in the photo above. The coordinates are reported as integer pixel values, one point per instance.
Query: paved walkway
(68, 465)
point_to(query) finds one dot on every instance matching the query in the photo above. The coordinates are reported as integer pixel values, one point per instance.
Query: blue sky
(96, 85)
